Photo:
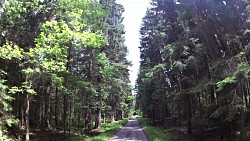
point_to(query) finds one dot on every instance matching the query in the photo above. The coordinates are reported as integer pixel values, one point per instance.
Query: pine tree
(201, 47)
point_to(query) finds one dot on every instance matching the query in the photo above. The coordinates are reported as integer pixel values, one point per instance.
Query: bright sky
(135, 10)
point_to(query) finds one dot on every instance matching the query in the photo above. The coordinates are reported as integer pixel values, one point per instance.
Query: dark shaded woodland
(63, 67)
(194, 69)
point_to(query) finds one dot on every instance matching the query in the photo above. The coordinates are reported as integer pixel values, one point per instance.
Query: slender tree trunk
(64, 114)
(242, 126)
(121, 114)
(78, 119)
(47, 107)
(88, 121)
(98, 118)
(104, 118)
(70, 110)
(154, 115)
(115, 113)
(27, 126)
(56, 108)
(113, 116)
(99, 115)
(42, 111)
(65, 100)
(22, 114)
(81, 112)
(242, 116)
(189, 115)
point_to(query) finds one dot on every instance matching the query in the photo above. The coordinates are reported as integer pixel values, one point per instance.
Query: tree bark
(242, 126)
(99, 114)
(47, 107)
(88, 121)
(64, 114)
(27, 127)
(242, 116)
(56, 108)
(69, 121)
(78, 119)
(189, 115)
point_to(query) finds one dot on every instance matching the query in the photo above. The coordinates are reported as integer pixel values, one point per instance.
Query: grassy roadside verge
(108, 130)
(154, 133)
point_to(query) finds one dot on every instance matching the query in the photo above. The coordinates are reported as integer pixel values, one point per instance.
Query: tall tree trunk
(242, 115)
(22, 113)
(42, 111)
(88, 121)
(56, 108)
(113, 114)
(189, 115)
(242, 126)
(99, 115)
(70, 110)
(65, 100)
(79, 118)
(65, 114)
(47, 106)
(27, 126)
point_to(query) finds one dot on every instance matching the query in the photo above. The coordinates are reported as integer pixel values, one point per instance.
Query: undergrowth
(108, 130)
(155, 133)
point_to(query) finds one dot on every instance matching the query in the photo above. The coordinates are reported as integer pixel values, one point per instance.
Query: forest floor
(179, 133)
(171, 133)
(107, 131)
(52, 135)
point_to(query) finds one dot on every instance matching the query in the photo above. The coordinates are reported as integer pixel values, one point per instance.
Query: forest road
(130, 132)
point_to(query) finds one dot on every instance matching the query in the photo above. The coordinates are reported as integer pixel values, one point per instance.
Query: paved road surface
(130, 132)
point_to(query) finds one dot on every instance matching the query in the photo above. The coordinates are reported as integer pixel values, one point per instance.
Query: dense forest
(194, 69)
(63, 66)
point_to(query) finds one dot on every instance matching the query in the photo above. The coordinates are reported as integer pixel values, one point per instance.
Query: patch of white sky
(135, 10)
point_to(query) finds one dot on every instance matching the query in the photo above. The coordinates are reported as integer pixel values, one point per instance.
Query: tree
(198, 45)
(66, 64)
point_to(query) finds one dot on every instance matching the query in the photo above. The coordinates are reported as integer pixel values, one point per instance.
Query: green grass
(154, 133)
(109, 129)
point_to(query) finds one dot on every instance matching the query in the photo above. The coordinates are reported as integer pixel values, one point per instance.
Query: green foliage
(5, 110)
(3, 137)
(194, 61)
(179, 66)
(10, 51)
(154, 133)
(230, 117)
(108, 130)
(215, 114)
(242, 71)
(223, 83)
(58, 54)
(107, 68)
